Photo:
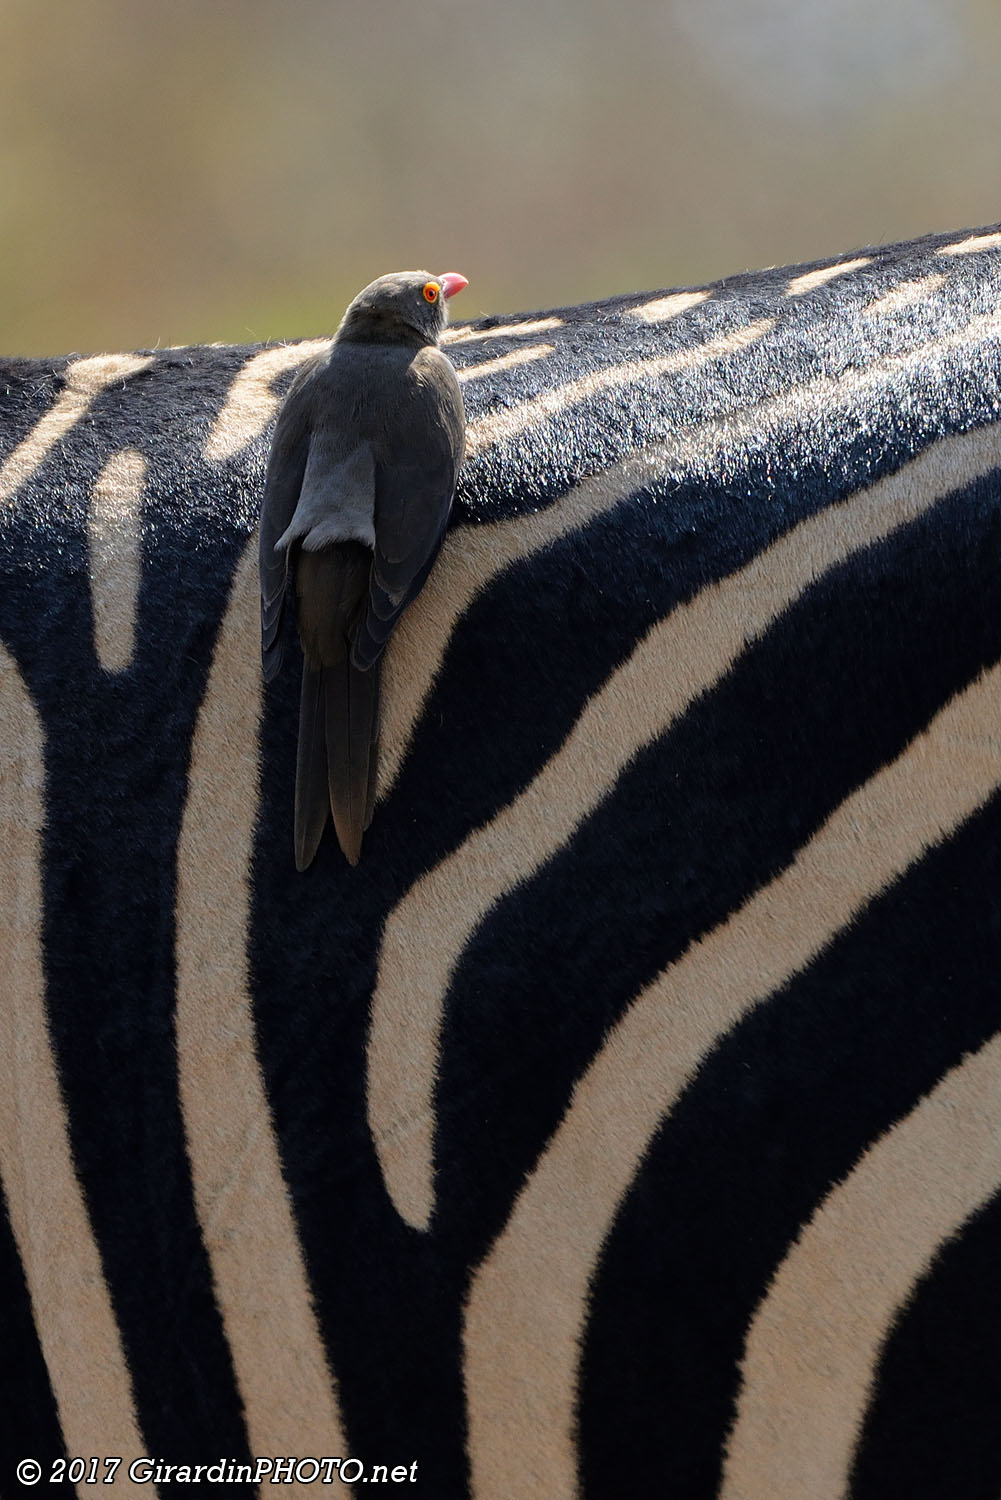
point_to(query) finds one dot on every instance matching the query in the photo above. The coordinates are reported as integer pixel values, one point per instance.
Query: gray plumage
(359, 486)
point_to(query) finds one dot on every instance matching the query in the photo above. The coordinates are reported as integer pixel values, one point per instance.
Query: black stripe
(933, 1427)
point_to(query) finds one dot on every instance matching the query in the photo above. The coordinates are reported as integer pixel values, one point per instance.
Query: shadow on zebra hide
(630, 1120)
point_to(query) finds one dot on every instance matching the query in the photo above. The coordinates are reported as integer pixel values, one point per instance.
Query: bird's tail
(338, 756)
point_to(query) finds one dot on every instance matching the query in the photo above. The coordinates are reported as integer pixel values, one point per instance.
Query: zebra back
(632, 1115)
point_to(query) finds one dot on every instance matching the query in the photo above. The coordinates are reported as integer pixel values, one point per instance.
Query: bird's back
(404, 401)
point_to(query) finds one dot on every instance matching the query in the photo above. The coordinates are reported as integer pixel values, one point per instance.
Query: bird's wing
(415, 477)
(286, 467)
(336, 499)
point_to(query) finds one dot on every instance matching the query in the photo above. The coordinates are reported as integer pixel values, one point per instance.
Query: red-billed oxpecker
(359, 486)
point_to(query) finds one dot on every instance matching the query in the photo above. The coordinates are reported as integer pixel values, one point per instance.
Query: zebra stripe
(527, 328)
(809, 281)
(114, 525)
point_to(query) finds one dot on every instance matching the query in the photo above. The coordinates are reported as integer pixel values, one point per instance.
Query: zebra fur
(630, 1118)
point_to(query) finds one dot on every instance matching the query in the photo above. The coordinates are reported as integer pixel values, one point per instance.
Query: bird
(358, 490)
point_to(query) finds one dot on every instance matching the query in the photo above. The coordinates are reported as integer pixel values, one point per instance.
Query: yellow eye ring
(431, 290)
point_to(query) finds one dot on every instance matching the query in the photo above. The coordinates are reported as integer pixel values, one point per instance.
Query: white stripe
(470, 558)
(906, 295)
(504, 362)
(808, 281)
(663, 308)
(973, 244)
(114, 537)
(527, 329)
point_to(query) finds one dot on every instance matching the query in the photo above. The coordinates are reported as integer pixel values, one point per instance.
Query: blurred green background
(182, 170)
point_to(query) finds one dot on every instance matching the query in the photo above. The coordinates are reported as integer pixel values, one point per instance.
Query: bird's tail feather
(351, 709)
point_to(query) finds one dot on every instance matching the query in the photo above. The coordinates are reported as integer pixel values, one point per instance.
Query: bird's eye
(431, 291)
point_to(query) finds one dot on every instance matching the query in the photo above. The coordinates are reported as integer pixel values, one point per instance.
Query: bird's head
(404, 307)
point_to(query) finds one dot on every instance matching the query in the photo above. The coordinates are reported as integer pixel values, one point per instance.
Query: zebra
(630, 1119)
